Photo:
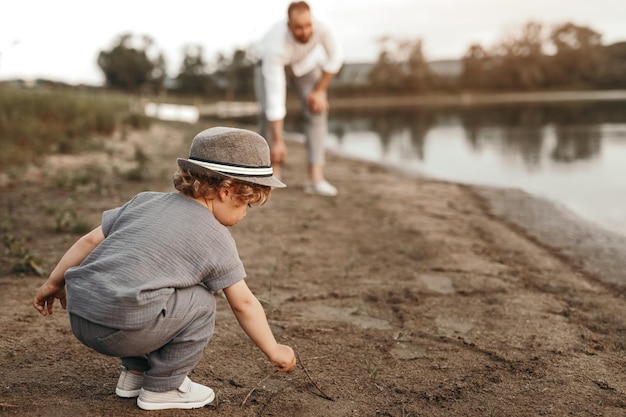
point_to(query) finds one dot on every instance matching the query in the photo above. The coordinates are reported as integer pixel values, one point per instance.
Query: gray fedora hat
(231, 152)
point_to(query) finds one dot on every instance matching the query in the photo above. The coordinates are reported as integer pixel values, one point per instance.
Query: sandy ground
(402, 297)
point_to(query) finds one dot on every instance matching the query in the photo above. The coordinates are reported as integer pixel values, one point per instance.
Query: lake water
(572, 153)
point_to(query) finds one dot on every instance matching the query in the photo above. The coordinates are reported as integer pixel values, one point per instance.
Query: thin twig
(5, 405)
(322, 393)
(255, 387)
(316, 358)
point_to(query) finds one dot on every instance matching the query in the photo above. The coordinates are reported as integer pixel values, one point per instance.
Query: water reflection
(515, 129)
(575, 142)
(570, 152)
(522, 129)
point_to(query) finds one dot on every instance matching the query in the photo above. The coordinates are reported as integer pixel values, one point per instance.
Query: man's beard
(302, 39)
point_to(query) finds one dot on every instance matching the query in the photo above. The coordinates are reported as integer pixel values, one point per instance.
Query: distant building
(356, 74)
(353, 75)
(447, 67)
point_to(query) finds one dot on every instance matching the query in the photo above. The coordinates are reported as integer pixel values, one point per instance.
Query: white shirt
(279, 48)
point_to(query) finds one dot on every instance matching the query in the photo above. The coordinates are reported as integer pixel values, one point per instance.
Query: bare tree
(477, 66)
(401, 66)
(520, 60)
(194, 77)
(578, 55)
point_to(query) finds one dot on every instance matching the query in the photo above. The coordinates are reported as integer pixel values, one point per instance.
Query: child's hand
(44, 299)
(283, 358)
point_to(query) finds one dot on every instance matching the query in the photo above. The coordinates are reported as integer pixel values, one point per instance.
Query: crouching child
(140, 286)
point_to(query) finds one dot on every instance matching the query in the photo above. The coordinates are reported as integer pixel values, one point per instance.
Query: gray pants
(315, 125)
(168, 348)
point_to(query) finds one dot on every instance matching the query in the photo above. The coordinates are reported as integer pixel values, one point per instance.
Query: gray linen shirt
(153, 244)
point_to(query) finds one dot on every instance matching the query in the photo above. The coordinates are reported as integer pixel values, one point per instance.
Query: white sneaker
(321, 188)
(128, 384)
(188, 395)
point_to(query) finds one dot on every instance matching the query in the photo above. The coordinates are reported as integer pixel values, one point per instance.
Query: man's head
(300, 24)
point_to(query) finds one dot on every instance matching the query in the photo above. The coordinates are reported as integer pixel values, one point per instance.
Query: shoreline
(248, 108)
(594, 250)
(470, 99)
(597, 251)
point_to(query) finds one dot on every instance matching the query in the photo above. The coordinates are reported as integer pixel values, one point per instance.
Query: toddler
(139, 286)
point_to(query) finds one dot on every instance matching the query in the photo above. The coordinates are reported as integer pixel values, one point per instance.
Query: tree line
(566, 56)
(134, 64)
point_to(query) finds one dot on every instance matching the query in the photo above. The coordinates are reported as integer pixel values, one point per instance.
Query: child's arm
(252, 320)
(54, 287)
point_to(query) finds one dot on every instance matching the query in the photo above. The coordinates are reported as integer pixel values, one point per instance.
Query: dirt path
(403, 297)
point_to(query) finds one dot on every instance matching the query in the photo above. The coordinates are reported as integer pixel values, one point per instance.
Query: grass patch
(68, 221)
(23, 261)
(35, 123)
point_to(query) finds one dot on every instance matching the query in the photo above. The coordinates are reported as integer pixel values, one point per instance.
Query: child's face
(227, 210)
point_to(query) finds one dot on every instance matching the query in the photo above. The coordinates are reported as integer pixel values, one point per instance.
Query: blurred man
(303, 49)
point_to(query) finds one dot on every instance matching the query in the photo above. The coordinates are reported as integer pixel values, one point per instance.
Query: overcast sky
(61, 39)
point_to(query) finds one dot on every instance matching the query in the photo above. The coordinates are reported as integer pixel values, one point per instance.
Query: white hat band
(235, 170)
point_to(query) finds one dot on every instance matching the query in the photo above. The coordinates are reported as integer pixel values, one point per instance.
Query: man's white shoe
(188, 395)
(320, 188)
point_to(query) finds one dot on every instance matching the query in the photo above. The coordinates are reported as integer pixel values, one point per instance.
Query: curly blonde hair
(197, 185)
